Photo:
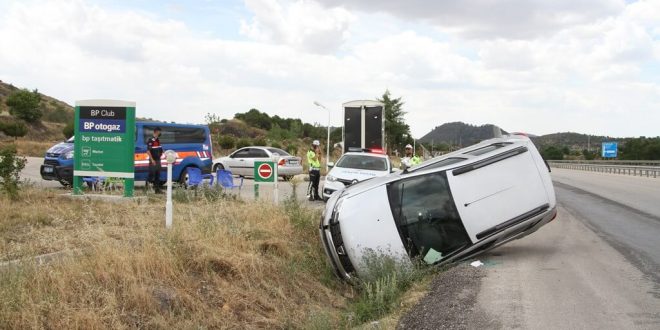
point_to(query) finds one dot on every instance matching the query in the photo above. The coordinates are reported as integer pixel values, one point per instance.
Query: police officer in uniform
(155, 151)
(410, 159)
(314, 162)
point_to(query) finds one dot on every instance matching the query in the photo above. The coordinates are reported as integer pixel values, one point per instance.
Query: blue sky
(590, 66)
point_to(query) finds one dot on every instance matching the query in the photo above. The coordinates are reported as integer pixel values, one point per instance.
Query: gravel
(451, 302)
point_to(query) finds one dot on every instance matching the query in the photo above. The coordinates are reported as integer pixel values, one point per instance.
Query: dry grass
(226, 264)
(26, 147)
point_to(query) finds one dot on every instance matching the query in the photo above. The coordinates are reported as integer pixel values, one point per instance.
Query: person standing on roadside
(314, 162)
(155, 151)
(410, 159)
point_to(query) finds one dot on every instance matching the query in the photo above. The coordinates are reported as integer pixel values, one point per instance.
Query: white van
(445, 209)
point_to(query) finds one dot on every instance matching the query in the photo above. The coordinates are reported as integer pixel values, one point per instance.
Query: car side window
(426, 216)
(243, 153)
(258, 153)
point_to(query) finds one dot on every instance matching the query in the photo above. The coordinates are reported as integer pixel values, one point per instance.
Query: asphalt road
(597, 266)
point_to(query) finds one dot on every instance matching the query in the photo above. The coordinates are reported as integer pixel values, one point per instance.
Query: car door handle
(241, 160)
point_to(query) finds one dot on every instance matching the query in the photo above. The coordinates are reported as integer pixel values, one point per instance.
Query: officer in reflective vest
(410, 159)
(155, 151)
(314, 162)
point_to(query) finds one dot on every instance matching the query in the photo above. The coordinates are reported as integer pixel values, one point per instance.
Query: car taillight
(377, 151)
(281, 162)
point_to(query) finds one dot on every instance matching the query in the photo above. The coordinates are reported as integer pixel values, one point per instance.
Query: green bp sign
(265, 172)
(104, 142)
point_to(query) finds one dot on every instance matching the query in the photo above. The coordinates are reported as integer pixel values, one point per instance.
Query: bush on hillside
(25, 105)
(276, 144)
(68, 130)
(14, 128)
(226, 142)
(243, 142)
(260, 141)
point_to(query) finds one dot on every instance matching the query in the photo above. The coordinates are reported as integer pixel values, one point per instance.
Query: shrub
(226, 142)
(68, 130)
(259, 141)
(14, 129)
(10, 169)
(243, 142)
(276, 144)
(292, 149)
(25, 105)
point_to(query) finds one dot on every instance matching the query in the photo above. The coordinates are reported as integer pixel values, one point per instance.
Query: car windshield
(280, 152)
(363, 162)
(426, 217)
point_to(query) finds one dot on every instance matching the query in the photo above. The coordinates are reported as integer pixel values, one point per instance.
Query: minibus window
(426, 217)
(177, 135)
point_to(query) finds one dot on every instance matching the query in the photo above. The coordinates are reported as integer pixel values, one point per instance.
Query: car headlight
(330, 178)
(68, 155)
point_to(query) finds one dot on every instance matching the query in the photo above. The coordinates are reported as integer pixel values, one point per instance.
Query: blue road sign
(610, 149)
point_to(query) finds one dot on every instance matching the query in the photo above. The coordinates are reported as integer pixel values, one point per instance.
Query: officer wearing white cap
(314, 162)
(410, 159)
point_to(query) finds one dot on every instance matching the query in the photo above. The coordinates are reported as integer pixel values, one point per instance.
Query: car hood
(60, 148)
(355, 174)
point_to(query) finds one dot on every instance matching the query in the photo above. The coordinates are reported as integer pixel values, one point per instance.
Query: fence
(596, 166)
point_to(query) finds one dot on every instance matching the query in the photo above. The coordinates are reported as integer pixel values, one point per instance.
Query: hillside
(459, 134)
(40, 135)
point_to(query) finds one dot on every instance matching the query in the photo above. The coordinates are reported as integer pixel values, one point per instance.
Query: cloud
(594, 77)
(492, 19)
(302, 24)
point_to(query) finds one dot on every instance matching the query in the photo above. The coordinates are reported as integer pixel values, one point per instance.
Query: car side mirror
(331, 164)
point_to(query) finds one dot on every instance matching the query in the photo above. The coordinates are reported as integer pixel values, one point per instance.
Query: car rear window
(363, 162)
(486, 149)
(426, 217)
(278, 151)
(177, 135)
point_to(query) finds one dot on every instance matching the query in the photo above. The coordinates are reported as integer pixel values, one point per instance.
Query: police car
(352, 168)
(445, 209)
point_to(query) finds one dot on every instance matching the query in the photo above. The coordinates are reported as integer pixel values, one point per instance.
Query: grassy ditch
(227, 263)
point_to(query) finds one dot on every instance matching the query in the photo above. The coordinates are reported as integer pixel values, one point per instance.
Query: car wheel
(183, 179)
(218, 167)
(287, 177)
(65, 183)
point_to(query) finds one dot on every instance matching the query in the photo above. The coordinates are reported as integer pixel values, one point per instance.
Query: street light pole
(327, 145)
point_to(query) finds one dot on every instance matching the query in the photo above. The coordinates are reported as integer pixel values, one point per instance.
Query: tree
(25, 105)
(68, 130)
(552, 153)
(395, 124)
(14, 129)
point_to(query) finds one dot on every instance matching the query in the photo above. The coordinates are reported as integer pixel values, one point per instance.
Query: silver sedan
(241, 161)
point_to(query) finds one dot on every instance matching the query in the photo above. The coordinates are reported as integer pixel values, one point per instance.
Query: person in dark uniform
(155, 151)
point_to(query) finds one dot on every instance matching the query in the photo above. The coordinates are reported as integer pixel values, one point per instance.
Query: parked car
(352, 168)
(241, 161)
(445, 209)
(191, 142)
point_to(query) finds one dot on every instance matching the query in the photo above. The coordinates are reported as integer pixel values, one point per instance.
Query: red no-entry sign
(264, 172)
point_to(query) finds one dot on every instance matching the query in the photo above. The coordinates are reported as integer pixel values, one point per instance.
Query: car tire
(65, 183)
(287, 177)
(218, 167)
(184, 178)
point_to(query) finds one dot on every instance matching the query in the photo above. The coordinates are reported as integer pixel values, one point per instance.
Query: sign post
(170, 157)
(104, 143)
(610, 150)
(266, 172)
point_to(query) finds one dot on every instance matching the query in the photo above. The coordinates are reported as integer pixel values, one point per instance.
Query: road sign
(610, 150)
(104, 143)
(264, 172)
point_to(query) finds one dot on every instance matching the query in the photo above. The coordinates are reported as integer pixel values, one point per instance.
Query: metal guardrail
(611, 162)
(647, 171)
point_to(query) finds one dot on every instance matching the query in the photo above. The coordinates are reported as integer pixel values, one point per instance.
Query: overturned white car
(445, 209)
